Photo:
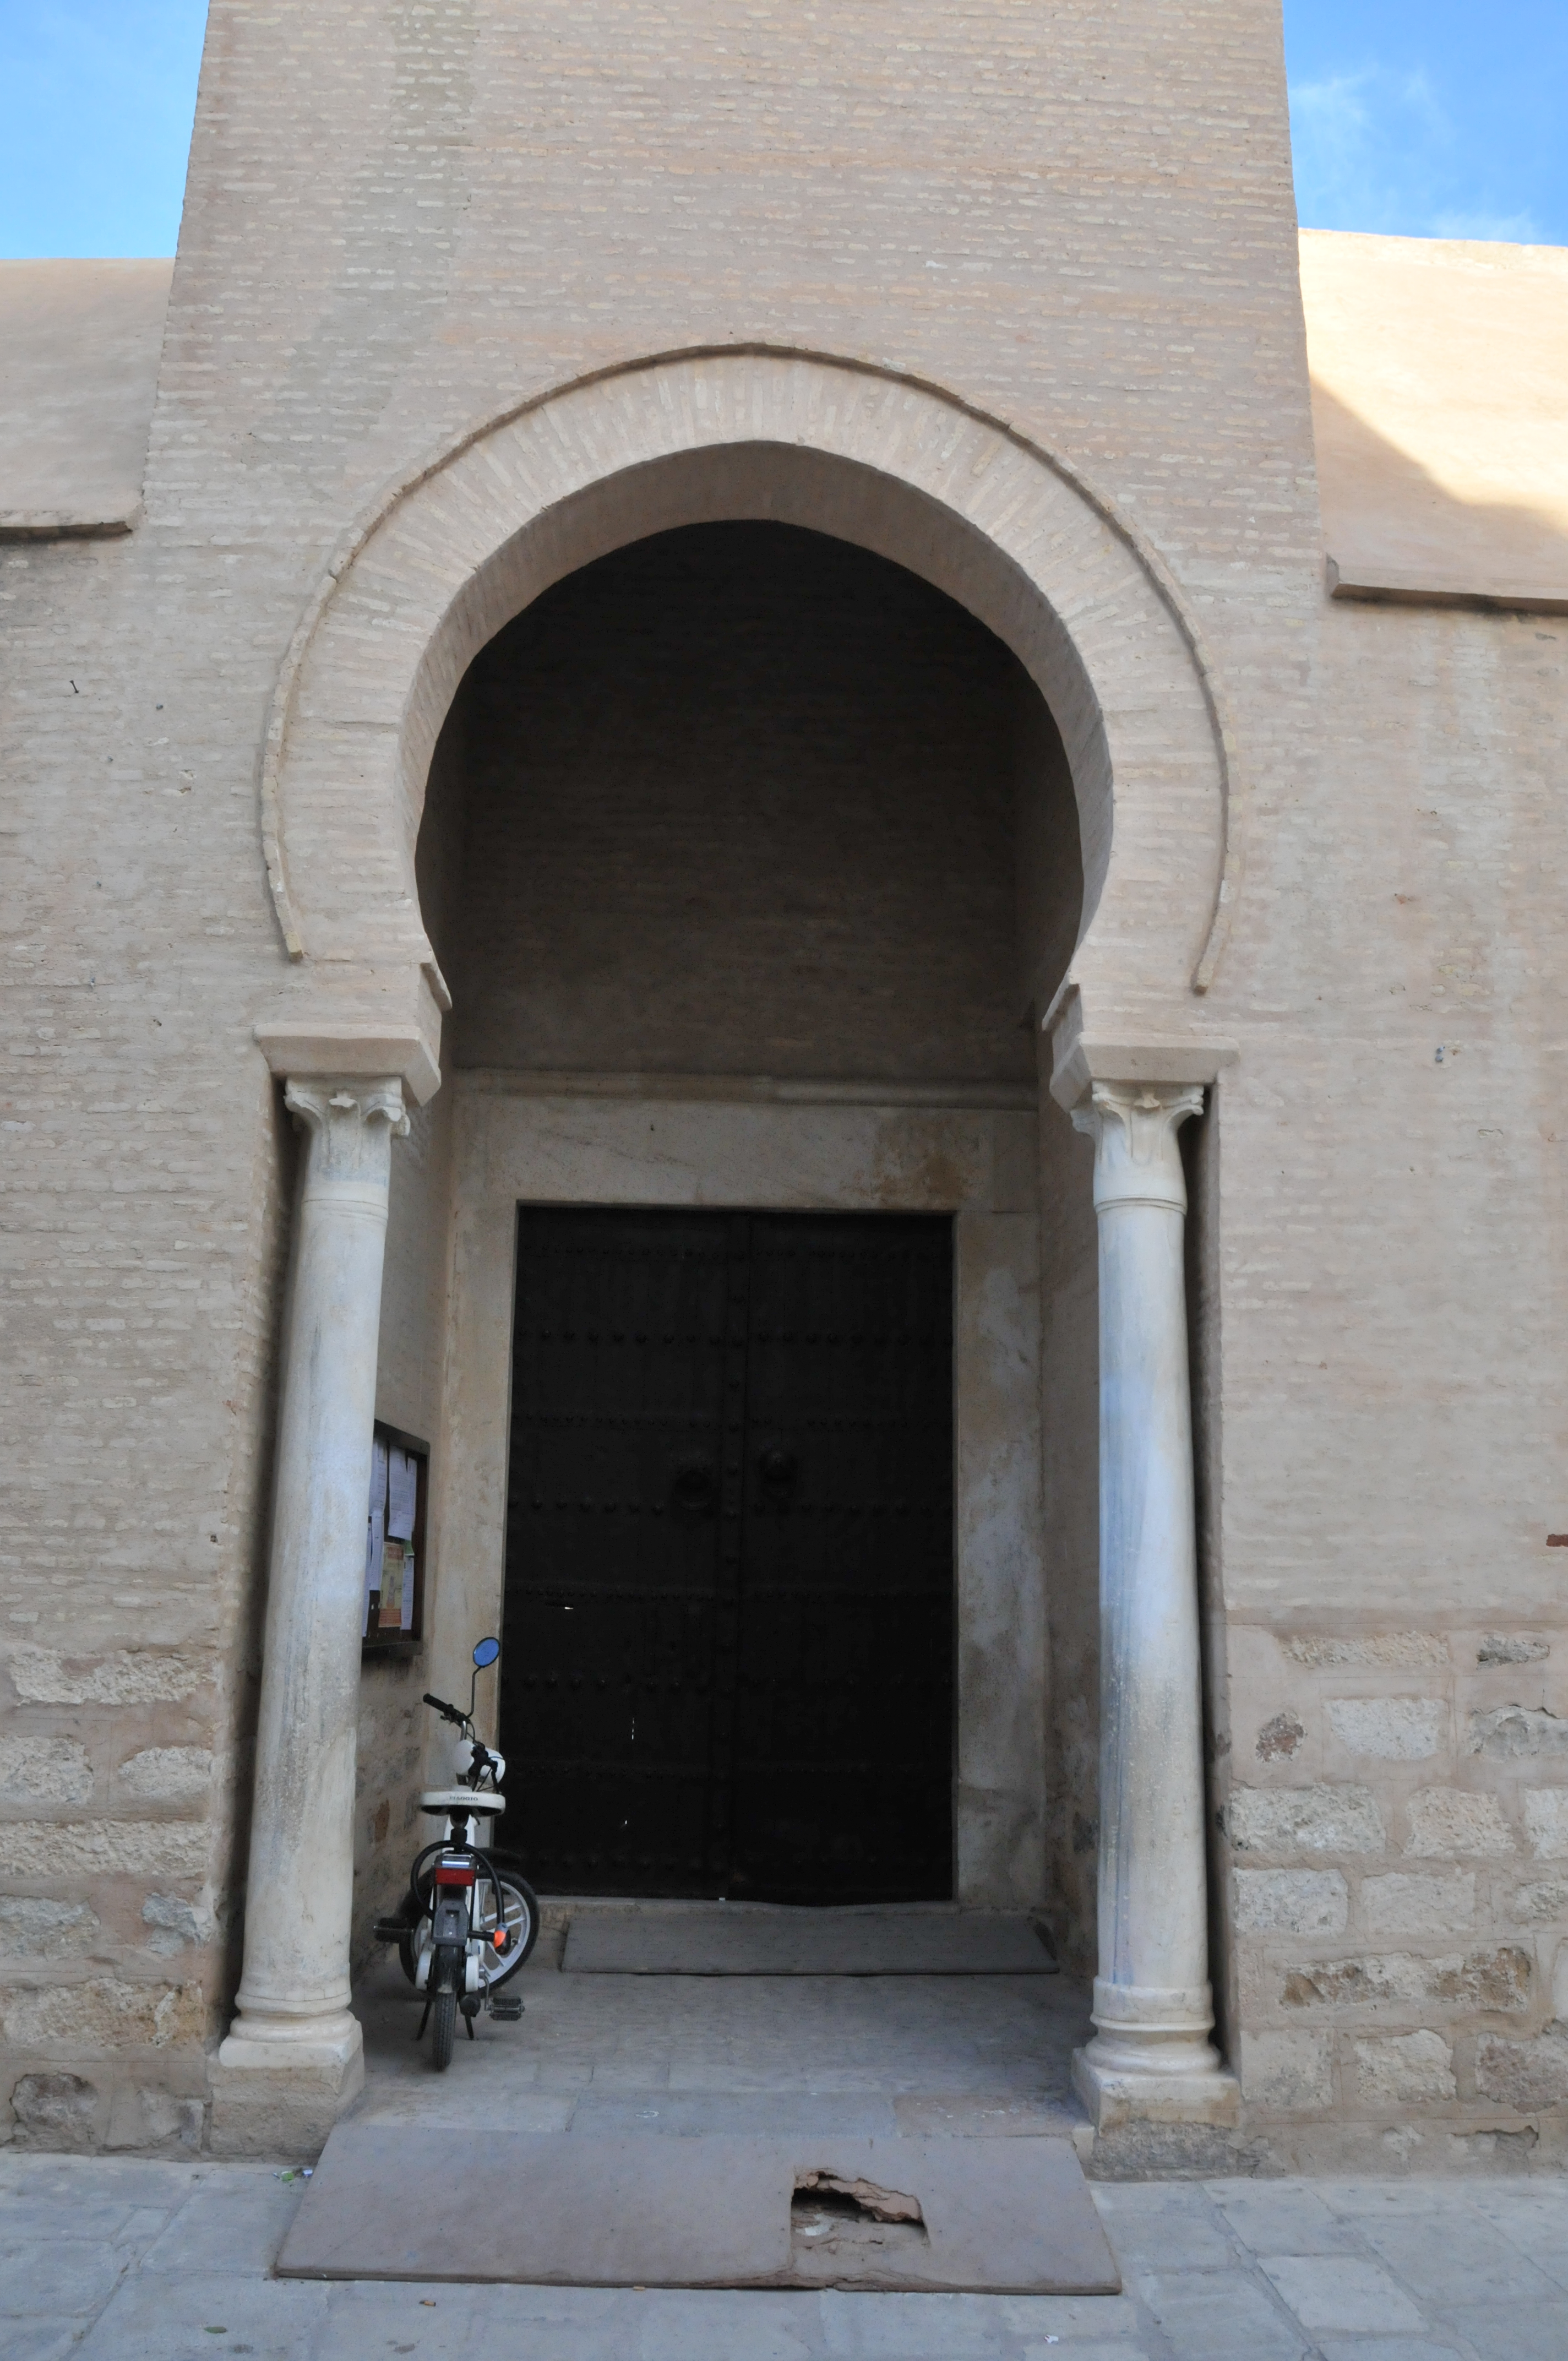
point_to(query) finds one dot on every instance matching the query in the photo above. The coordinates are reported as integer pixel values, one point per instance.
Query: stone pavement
(109, 2258)
(124, 2260)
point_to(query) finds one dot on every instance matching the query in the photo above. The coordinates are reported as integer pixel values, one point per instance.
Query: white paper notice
(403, 1471)
(375, 1531)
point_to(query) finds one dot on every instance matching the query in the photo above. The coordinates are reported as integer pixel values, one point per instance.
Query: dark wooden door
(729, 1556)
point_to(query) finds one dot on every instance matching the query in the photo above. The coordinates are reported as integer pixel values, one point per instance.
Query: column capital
(342, 1113)
(1138, 1160)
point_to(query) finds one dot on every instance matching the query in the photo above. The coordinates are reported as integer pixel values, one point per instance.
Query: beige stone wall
(1391, 1712)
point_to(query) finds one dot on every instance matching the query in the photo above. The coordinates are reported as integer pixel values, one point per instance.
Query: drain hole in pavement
(831, 2214)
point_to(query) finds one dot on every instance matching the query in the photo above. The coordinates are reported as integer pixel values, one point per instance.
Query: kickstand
(468, 2021)
(424, 2020)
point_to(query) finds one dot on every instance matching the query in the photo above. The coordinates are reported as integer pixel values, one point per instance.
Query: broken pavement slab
(1011, 2217)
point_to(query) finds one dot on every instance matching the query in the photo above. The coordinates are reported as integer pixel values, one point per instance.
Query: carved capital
(1133, 1125)
(349, 1123)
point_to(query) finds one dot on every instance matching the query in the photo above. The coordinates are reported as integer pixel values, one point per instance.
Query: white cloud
(1376, 150)
(1517, 229)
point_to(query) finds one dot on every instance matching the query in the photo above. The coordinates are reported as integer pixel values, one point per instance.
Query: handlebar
(447, 1712)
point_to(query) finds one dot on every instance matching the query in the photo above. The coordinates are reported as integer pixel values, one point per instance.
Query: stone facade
(469, 298)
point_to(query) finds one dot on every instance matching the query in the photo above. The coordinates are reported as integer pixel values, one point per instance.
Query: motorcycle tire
(443, 2029)
(519, 1910)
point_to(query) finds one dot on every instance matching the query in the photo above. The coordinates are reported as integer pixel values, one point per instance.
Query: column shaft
(1153, 2006)
(293, 1996)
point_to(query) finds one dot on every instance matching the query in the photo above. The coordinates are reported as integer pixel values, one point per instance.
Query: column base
(280, 2095)
(1116, 2093)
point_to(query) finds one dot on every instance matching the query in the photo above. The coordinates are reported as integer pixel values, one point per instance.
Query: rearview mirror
(486, 1654)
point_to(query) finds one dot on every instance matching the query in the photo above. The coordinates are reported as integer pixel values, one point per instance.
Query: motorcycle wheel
(516, 1908)
(510, 1903)
(442, 2030)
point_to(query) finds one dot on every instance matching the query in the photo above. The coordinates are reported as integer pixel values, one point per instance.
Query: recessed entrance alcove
(715, 1268)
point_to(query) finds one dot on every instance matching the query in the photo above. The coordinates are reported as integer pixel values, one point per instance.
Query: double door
(729, 1634)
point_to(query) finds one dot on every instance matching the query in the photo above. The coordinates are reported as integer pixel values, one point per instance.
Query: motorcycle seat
(449, 1801)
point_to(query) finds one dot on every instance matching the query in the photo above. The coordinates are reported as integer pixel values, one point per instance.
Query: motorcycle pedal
(509, 2011)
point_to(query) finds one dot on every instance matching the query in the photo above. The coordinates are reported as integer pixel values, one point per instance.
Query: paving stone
(1341, 2291)
(59, 2278)
(1384, 2348)
(967, 2327)
(237, 2230)
(81, 2179)
(1280, 2217)
(1534, 2219)
(1220, 2316)
(687, 2112)
(160, 2316)
(705, 2328)
(23, 2217)
(38, 2341)
(1157, 2224)
(1516, 2332)
(1459, 2259)
(1370, 2199)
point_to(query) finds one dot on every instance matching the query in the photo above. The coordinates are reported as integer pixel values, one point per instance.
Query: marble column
(1151, 2056)
(294, 2032)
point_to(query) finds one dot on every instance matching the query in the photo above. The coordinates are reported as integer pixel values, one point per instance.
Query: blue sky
(1437, 120)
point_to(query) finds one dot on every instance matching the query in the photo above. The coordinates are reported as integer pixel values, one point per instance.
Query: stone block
(39, 1929)
(134, 1676)
(1541, 1904)
(75, 1848)
(1304, 1819)
(284, 2110)
(1526, 2075)
(1278, 1740)
(1326, 1651)
(44, 1771)
(167, 1774)
(1412, 1903)
(1497, 1978)
(154, 2118)
(1516, 1733)
(1290, 1901)
(55, 2111)
(1455, 1820)
(176, 1922)
(1292, 2072)
(1512, 1648)
(1394, 1729)
(105, 2012)
(1546, 1822)
(1400, 2068)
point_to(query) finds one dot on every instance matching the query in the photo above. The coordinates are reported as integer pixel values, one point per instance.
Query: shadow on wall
(1391, 528)
(743, 798)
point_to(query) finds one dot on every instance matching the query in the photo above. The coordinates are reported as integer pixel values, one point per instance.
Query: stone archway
(448, 555)
(437, 566)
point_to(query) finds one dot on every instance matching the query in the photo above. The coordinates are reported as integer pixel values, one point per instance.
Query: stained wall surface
(404, 219)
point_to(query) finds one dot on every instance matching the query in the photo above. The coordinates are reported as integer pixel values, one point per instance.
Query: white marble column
(294, 2020)
(1151, 2056)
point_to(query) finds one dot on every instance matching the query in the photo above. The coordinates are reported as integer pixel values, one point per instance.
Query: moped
(468, 1921)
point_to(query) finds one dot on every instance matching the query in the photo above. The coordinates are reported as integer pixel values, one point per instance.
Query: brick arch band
(447, 556)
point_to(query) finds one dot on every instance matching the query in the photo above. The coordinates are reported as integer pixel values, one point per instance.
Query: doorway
(730, 1555)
